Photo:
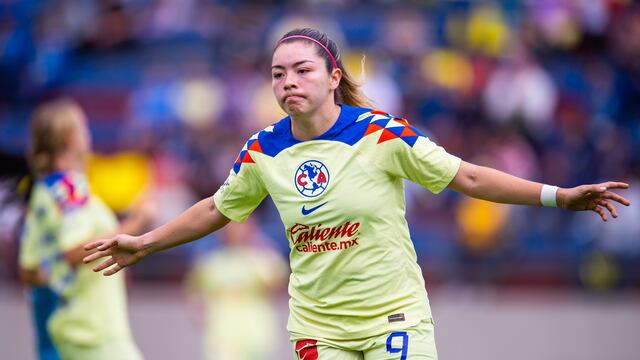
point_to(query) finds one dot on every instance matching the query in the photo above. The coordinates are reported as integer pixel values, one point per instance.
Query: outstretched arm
(124, 250)
(492, 185)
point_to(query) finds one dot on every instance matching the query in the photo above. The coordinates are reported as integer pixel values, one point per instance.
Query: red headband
(333, 60)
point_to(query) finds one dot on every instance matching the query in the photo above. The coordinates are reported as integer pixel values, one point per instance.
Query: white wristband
(548, 195)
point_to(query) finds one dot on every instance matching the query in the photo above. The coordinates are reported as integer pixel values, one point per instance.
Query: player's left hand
(595, 197)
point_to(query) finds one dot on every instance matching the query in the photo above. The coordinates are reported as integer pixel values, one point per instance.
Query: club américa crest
(312, 178)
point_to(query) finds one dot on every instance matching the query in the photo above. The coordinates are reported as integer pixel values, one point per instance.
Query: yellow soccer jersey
(341, 199)
(64, 214)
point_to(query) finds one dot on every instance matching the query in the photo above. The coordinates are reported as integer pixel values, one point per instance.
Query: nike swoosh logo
(306, 212)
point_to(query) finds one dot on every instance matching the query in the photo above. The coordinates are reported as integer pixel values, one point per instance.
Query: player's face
(300, 80)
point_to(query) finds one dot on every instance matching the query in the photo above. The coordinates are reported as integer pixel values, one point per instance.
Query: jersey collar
(344, 119)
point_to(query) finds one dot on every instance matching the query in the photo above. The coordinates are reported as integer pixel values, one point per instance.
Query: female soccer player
(63, 215)
(335, 170)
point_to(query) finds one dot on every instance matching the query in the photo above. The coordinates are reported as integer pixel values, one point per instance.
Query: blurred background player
(235, 285)
(87, 316)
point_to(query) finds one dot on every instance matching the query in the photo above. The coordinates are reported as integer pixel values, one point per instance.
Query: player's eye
(303, 71)
(277, 75)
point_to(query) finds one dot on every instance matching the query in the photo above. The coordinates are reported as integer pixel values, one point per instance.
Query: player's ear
(335, 77)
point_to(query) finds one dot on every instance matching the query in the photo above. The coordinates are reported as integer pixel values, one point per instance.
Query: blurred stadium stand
(546, 90)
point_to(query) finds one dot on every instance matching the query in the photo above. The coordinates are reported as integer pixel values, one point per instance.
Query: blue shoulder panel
(70, 190)
(352, 125)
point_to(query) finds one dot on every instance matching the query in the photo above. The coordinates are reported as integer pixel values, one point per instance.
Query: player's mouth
(292, 97)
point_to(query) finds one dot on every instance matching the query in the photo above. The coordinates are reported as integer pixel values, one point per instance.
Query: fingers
(609, 207)
(102, 244)
(94, 244)
(600, 212)
(602, 187)
(96, 255)
(113, 270)
(615, 185)
(108, 244)
(104, 265)
(101, 247)
(596, 188)
(617, 198)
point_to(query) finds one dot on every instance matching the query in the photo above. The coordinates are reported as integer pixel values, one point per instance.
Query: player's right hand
(595, 197)
(121, 251)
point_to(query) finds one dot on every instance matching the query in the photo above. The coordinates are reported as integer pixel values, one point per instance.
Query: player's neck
(67, 161)
(310, 126)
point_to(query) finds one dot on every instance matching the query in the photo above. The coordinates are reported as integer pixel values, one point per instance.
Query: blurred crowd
(548, 90)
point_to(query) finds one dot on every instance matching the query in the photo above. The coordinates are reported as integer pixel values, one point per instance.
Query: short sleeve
(424, 162)
(73, 199)
(241, 193)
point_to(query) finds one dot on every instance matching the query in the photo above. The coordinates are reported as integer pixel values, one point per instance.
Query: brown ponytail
(348, 91)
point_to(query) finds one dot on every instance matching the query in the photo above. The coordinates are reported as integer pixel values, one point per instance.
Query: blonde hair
(348, 92)
(49, 129)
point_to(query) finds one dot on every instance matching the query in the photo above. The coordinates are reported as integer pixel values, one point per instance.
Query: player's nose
(290, 82)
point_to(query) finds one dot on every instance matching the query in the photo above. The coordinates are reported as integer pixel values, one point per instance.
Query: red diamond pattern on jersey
(389, 127)
(252, 145)
(244, 156)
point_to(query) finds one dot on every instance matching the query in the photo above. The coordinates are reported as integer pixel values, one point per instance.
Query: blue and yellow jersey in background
(341, 199)
(63, 214)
